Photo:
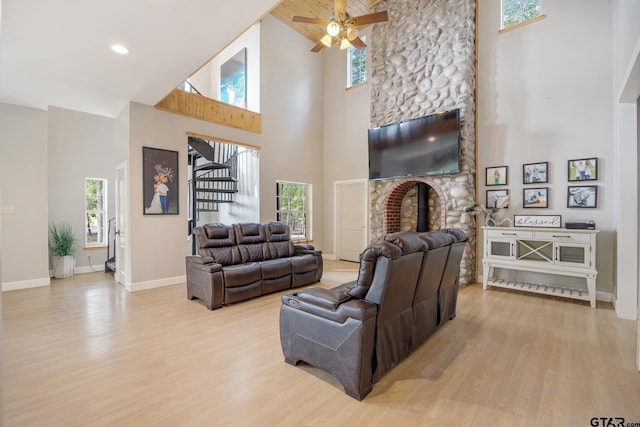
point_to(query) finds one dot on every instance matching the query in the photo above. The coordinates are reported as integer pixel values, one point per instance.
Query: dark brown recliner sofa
(241, 261)
(406, 289)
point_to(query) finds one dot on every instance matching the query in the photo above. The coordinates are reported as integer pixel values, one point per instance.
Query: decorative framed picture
(494, 197)
(233, 80)
(496, 175)
(160, 181)
(535, 197)
(534, 173)
(582, 196)
(552, 221)
(583, 169)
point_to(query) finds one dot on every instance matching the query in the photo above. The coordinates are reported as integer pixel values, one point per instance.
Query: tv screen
(428, 145)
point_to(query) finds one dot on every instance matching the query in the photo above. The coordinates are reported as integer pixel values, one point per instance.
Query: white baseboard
(158, 283)
(329, 256)
(88, 269)
(26, 284)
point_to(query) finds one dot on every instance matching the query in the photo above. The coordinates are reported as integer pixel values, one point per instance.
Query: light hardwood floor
(85, 352)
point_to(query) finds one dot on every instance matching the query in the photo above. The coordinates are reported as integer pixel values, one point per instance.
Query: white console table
(556, 251)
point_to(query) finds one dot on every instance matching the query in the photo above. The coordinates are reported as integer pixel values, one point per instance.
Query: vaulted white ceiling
(58, 53)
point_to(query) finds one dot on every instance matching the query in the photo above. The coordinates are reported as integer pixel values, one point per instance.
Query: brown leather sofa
(406, 288)
(241, 261)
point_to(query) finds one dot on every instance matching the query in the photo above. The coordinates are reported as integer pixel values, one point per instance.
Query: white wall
(292, 119)
(347, 120)
(544, 94)
(23, 172)
(80, 145)
(626, 53)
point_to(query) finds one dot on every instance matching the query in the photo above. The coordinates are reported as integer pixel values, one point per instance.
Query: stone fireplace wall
(423, 62)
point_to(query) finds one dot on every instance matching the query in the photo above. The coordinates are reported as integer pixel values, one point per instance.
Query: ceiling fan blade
(310, 20)
(341, 7)
(318, 47)
(358, 43)
(371, 18)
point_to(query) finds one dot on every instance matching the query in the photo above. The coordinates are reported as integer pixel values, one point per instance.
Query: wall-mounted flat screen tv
(428, 145)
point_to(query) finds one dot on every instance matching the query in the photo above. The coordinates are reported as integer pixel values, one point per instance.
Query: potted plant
(62, 246)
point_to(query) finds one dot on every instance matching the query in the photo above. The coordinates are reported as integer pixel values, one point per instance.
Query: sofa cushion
(460, 235)
(279, 240)
(249, 232)
(217, 241)
(274, 268)
(407, 241)
(241, 274)
(437, 239)
(303, 263)
(368, 260)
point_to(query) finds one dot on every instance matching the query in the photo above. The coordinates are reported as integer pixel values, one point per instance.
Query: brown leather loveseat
(241, 261)
(407, 287)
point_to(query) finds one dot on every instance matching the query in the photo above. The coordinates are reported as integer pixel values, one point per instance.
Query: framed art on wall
(582, 196)
(583, 169)
(233, 80)
(494, 197)
(533, 173)
(159, 181)
(535, 197)
(496, 175)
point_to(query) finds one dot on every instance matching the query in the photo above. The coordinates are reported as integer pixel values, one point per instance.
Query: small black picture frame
(535, 197)
(535, 173)
(160, 181)
(583, 169)
(495, 196)
(582, 196)
(497, 175)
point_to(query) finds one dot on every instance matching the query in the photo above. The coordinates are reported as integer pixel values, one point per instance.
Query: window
(95, 211)
(518, 11)
(292, 208)
(356, 66)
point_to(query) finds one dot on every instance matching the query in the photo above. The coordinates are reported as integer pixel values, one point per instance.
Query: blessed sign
(553, 221)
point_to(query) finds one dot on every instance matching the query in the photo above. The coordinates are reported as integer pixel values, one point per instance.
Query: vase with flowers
(492, 217)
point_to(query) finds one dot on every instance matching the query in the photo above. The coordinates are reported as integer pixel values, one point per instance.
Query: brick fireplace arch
(393, 203)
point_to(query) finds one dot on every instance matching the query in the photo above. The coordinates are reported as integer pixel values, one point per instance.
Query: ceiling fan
(343, 28)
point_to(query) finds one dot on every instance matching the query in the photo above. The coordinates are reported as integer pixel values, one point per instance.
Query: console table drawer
(564, 237)
(519, 234)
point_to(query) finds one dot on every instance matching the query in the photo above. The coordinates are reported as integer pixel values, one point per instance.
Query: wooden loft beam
(203, 108)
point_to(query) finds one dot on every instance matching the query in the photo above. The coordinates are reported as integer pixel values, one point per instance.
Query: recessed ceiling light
(118, 48)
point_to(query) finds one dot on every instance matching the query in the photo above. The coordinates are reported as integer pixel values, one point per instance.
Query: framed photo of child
(496, 175)
(583, 169)
(160, 181)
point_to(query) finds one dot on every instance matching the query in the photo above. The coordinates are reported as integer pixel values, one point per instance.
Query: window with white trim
(356, 65)
(293, 208)
(95, 211)
(519, 11)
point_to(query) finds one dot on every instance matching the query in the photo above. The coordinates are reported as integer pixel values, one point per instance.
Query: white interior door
(351, 239)
(121, 225)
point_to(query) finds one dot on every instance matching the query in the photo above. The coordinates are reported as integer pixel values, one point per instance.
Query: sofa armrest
(303, 249)
(321, 304)
(197, 259)
(326, 298)
(203, 263)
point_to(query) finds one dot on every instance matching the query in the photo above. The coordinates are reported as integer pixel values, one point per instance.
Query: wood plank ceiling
(321, 9)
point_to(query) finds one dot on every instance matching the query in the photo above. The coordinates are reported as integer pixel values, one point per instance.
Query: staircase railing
(214, 175)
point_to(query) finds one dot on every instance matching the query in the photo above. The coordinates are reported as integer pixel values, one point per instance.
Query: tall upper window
(292, 208)
(519, 11)
(356, 65)
(95, 211)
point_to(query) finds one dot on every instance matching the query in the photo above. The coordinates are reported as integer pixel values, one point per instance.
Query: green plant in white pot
(62, 247)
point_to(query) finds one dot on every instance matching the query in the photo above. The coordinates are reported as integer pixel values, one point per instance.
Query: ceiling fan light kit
(333, 29)
(341, 27)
